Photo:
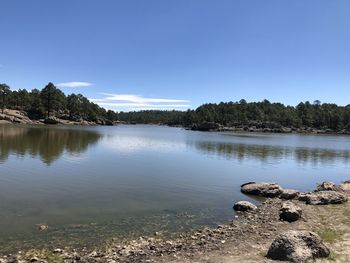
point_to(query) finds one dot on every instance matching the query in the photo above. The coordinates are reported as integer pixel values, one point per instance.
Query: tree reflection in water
(49, 143)
(242, 151)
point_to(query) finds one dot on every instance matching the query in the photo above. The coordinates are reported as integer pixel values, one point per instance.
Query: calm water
(93, 183)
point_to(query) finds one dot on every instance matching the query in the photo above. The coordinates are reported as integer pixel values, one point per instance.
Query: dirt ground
(331, 222)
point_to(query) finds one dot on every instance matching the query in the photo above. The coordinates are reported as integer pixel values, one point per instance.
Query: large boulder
(297, 246)
(328, 186)
(289, 194)
(244, 206)
(290, 212)
(262, 189)
(323, 198)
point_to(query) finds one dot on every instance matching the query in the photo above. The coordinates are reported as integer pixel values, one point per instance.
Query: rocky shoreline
(262, 127)
(275, 229)
(21, 117)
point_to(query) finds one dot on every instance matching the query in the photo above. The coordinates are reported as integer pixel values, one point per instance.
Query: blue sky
(130, 55)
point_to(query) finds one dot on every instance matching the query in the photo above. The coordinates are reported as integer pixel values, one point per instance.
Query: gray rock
(345, 186)
(289, 194)
(244, 206)
(324, 198)
(328, 186)
(262, 189)
(297, 246)
(304, 196)
(290, 212)
(51, 120)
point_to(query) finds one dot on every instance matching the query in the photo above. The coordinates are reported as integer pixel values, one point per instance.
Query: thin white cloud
(144, 105)
(131, 102)
(138, 99)
(74, 84)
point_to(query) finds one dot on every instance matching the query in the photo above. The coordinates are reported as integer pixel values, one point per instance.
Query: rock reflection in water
(265, 152)
(49, 143)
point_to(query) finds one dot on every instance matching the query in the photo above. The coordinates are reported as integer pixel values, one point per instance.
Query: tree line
(262, 114)
(51, 101)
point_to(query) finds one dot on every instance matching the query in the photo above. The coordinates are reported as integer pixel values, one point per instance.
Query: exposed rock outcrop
(297, 246)
(15, 116)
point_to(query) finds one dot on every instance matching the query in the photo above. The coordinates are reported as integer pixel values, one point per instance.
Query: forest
(51, 101)
(315, 115)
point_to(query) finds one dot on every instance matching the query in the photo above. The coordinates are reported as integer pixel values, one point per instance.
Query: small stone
(152, 247)
(42, 227)
(93, 254)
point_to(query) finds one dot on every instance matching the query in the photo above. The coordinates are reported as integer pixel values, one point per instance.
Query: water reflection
(260, 152)
(48, 143)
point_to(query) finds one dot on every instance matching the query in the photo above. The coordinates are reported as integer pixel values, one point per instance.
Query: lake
(90, 184)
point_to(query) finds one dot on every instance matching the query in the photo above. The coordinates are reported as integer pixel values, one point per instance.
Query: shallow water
(90, 184)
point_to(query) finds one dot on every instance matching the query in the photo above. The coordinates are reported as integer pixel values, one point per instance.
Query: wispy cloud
(74, 84)
(130, 102)
(138, 99)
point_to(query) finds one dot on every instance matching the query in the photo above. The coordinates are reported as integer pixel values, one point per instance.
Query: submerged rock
(244, 206)
(290, 212)
(42, 227)
(262, 189)
(297, 246)
(289, 194)
(323, 198)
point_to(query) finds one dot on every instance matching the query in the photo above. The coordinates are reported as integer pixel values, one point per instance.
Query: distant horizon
(137, 55)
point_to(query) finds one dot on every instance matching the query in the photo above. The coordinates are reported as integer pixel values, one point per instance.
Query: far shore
(20, 117)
